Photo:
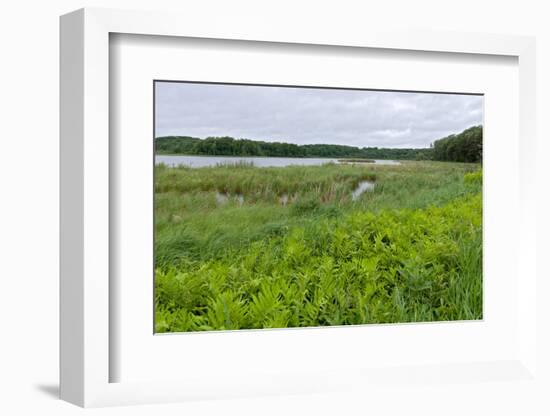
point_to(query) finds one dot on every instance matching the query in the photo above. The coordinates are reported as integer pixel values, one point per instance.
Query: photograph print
(292, 207)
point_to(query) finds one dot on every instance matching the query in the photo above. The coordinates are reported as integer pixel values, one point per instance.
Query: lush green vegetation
(246, 247)
(464, 147)
(228, 146)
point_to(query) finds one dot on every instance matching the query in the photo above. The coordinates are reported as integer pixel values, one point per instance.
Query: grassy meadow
(241, 247)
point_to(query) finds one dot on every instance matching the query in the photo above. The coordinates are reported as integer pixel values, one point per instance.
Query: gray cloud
(308, 115)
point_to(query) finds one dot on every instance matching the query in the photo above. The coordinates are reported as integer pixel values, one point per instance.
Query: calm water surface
(362, 187)
(262, 162)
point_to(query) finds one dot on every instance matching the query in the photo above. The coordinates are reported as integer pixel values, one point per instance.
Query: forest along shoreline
(464, 147)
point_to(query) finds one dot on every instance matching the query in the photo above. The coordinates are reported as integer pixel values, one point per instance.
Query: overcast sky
(307, 115)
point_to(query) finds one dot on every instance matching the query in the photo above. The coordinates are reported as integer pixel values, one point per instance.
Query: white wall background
(29, 186)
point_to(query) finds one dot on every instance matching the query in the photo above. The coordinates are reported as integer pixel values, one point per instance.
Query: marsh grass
(407, 251)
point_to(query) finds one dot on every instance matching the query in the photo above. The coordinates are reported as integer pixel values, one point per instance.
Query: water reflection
(362, 187)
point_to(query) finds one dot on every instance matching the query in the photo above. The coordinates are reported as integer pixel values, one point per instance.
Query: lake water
(262, 162)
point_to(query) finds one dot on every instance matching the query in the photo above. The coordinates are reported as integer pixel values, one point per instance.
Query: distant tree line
(464, 147)
(228, 146)
(176, 145)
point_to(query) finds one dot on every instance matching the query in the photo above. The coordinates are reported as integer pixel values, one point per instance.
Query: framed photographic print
(278, 213)
(342, 209)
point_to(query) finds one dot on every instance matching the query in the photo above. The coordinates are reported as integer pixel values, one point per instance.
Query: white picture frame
(86, 356)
